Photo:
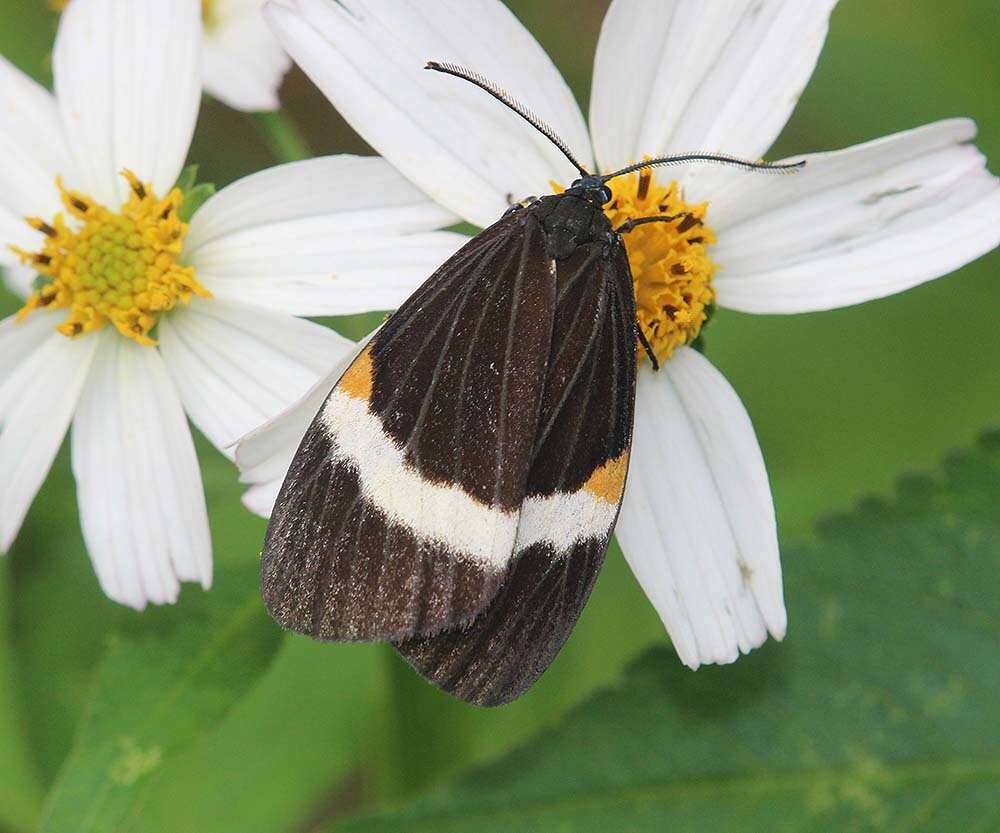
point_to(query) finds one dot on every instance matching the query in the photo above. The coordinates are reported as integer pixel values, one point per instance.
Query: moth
(456, 493)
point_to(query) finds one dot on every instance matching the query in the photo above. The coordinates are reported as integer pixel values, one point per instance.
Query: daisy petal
(260, 499)
(19, 339)
(32, 148)
(37, 399)
(14, 231)
(354, 194)
(701, 76)
(298, 271)
(329, 236)
(142, 505)
(697, 525)
(856, 224)
(243, 62)
(19, 279)
(465, 150)
(265, 454)
(237, 366)
(128, 80)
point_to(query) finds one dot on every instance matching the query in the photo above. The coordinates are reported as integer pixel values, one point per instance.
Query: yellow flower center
(112, 268)
(671, 269)
(209, 13)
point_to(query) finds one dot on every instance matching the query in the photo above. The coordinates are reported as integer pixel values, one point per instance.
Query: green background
(842, 401)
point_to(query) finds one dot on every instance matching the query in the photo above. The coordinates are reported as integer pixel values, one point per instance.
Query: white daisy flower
(242, 63)
(93, 169)
(698, 525)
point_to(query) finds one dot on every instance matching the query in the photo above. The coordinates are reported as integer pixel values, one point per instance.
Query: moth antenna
(713, 158)
(501, 95)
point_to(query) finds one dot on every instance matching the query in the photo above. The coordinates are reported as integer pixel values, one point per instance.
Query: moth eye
(606, 194)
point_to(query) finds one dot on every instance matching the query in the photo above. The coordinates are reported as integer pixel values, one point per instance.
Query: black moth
(457, 491)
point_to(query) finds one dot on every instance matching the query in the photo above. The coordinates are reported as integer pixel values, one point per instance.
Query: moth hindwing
(573, 494)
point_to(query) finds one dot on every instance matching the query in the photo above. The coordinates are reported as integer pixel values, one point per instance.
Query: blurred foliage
(841, 401)
(154, 694)
(875, 715)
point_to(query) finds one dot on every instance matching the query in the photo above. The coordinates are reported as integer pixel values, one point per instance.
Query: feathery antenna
(504, 97)
(715, 158)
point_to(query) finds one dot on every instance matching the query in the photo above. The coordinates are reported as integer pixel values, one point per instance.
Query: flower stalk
(282, 136)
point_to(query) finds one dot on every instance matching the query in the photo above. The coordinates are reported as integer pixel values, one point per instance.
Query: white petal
(128, 80)
(329, 236)
(142, 505)
(856, 224)
(19, 279)
(353, 194)
(236, 366)
(299, 272)
(697, 525)
(466, 150)
(243, 63)
(701, 76)
(265, 454)
(18, 339)
(14, 231)
(32, 149)
(260, 499)
(36, 404)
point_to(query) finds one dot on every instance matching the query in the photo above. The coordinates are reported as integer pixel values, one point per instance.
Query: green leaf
(195, 193)
(20, 785)
(880, 711)
(54, 655)
(186, 181)
(195, 198)
(153, 696)
(294, 738)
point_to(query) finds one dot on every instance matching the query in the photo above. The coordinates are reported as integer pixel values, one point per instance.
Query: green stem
(282, 136)
(402, 764)
(426, 732)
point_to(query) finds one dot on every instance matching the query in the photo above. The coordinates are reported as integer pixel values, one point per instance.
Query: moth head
(592, 189)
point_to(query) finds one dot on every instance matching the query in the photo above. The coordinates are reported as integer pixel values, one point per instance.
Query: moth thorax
(571, 220)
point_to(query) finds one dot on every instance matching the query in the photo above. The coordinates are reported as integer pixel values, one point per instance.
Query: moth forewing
(399, 513)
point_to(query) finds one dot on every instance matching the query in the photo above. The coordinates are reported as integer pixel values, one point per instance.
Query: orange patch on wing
(608, 482)
(357, 381)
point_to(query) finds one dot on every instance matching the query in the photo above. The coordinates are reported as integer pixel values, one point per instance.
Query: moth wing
(573, 495)
(399, 513)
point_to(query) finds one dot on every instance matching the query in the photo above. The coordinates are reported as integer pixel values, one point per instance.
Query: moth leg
(628, 225)
(639, 334)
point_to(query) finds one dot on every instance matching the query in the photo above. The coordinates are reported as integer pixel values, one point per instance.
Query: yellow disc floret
(112, 268)
(209, 13)
(671, 270)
